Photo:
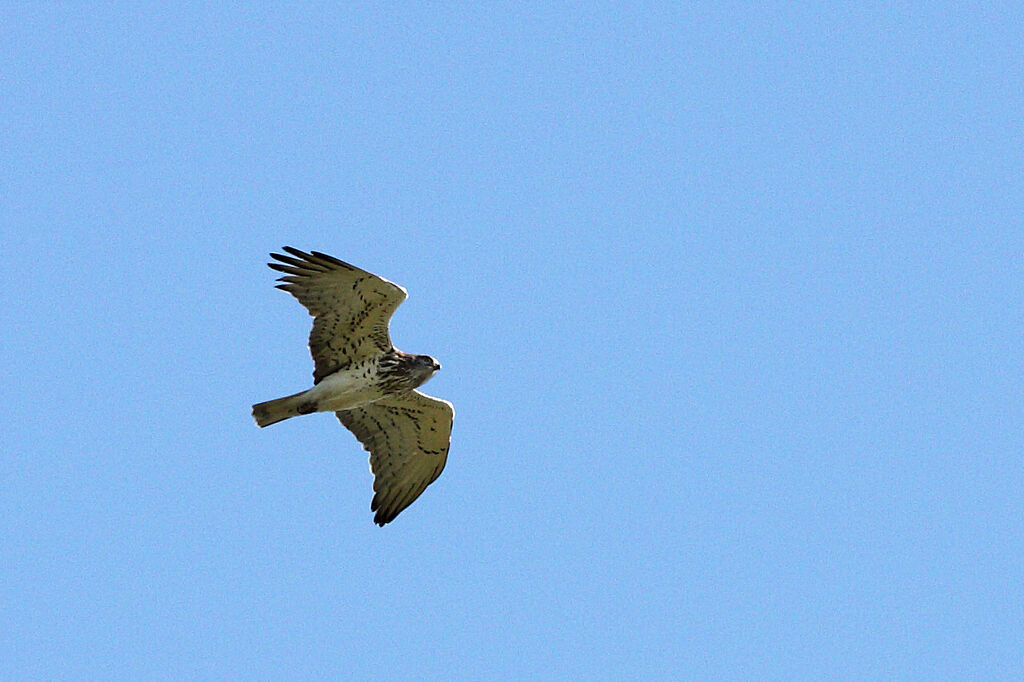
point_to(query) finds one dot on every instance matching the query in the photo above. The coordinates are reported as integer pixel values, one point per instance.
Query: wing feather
(351, 308)
(407, 436)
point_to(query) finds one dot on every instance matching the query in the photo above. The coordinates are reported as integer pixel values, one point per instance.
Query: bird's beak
(437, 365)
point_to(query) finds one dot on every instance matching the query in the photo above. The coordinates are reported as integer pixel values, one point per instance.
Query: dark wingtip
(315, 260)
(288, 249)
(381, 517)
(294, 265)
(295, 252)
(330, 259)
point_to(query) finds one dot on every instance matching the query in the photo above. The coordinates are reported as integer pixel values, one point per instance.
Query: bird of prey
(361, 377)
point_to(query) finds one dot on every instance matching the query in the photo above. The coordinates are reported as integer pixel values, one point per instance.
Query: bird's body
(347, 388)
(361, 377)
(358, 384)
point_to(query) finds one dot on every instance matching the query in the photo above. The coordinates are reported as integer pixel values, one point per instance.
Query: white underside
(344, 390)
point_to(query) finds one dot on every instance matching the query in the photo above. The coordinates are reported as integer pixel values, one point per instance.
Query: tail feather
(278, 410)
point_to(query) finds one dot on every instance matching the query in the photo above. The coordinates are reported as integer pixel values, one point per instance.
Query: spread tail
(274, 411)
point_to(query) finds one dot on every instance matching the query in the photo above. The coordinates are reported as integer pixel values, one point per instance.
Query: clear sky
(728, 298)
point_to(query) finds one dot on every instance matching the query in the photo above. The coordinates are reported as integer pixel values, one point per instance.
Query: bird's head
(422, 368)
(404, 371)
(427, 365)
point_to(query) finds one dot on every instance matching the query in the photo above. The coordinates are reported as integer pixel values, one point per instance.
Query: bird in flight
(360, 376)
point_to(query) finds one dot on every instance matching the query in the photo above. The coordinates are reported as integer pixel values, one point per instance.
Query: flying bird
(360, 376)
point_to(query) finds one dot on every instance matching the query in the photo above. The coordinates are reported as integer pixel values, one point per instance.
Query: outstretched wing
(351, 308)
(407, 436)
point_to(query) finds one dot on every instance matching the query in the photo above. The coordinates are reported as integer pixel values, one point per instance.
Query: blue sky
(728, 297)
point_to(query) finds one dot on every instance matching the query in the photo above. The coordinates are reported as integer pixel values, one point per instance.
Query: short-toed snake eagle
(361, 377)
